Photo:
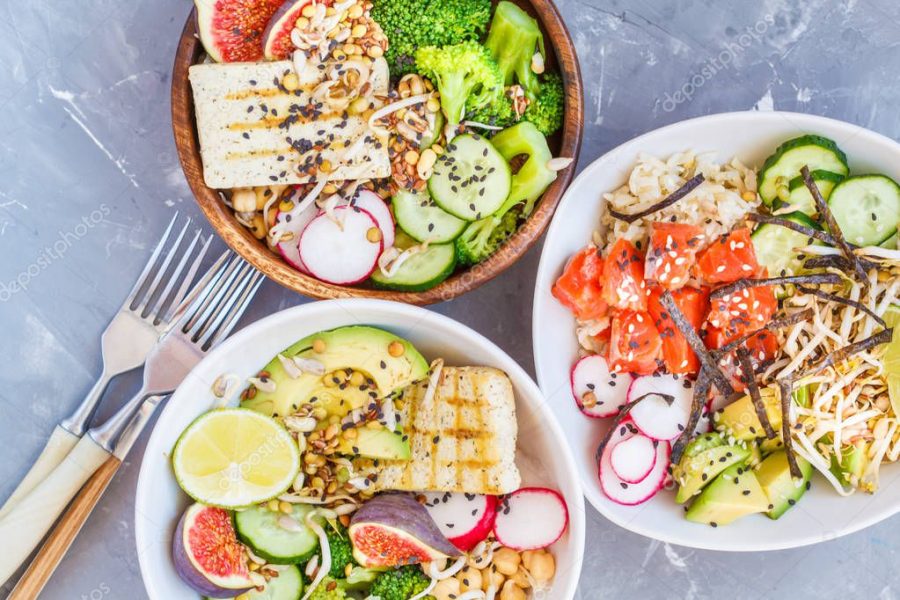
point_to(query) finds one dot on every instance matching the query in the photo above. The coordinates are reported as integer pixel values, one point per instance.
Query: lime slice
(235, 457)
(891, 358)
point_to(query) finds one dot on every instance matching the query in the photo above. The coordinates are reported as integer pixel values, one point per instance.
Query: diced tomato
(634, 344)
(729, 258)
(672, 253)
(676, 352)
(623, 277)
(579, 288)
(734, 315)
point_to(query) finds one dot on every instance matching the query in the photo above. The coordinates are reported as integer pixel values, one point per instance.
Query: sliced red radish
(531, 518)
(372, 202)
(633, 458)
(464, 519)
(294, 224)
(655, 416)
(339, 250)
(630, 494)
(598, 392)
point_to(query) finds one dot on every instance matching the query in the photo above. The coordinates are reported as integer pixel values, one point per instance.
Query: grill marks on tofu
(463, 440)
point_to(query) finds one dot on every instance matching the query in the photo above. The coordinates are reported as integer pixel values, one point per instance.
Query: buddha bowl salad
(737, 330)
(387, 142)
(353, 469)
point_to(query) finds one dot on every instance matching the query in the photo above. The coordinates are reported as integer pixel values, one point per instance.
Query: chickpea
(520, 578)
(470, 579)
(507, 561)
(446, 589)
(511, 591)
(491, 577)
(542, 566)
(243, 200)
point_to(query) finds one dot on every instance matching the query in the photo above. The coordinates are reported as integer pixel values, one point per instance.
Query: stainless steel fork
(128, 338)
(206, 317)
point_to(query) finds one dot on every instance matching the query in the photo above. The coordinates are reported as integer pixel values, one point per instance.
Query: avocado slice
(698, 470)
(739, 418)
(703, 442)
(356, 348)
(376, 443)
(774, 476)
(768, 446)
(852, 463)
(733, 494)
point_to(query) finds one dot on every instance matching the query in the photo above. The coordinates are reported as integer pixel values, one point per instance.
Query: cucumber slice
(421, 271)
(799, 196)
(813, 151)
(430, 138)
(470, 179)
(258, 528)
(774, 245)
(418, 215)
(867, 208)
(287, 586)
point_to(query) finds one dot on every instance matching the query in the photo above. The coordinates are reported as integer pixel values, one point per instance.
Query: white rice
(717, 205)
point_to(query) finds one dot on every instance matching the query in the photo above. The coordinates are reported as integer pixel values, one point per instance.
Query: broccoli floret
(512, 40)
(412, 24)
(341, 551)
(499, 113)
(546, 111)
(400, 584)
(322, 591)
(466, 76)
(482, 238)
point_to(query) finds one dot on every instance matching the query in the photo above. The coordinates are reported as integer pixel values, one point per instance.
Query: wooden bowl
(561, 57)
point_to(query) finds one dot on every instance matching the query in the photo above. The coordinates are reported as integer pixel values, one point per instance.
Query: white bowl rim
(592, 493)
(533, 395)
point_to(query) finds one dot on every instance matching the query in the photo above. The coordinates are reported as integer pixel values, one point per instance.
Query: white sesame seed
(746, 268)
(720, 268)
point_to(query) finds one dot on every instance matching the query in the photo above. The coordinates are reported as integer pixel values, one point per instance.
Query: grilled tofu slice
(462, 440)
(253, 132)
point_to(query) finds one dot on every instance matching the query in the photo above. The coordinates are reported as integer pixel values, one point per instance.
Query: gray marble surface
(89, 177)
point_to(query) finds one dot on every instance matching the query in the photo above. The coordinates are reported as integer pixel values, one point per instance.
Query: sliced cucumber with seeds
(429, 138)
(258, 527)
(421, 271)
(799, 196)
(774, 245)
(470, 179)
(287, 586)
(813, 151)
(867, 208)
(418, 215)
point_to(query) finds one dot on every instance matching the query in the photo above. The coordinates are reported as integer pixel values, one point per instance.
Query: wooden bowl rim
(239, 239)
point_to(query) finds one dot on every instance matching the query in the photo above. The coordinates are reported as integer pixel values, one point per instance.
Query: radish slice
(630, 494)
(591, 375)
(340, 252)
(531, 518)
(654, 416)
(634, 458)
(295, 224)
(464, 519)
(375, 206)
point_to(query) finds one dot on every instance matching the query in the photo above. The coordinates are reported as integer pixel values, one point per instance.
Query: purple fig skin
(189, 573)
(277, 20)
(402, 511)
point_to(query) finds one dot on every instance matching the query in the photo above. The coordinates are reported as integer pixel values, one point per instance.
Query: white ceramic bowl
(751, 137)
(543, 456)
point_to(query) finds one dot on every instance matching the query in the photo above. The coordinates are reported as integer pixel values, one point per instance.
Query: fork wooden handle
(63, 534)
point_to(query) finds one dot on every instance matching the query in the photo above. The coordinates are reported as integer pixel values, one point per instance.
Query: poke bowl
(692, 256)
(264, 159)
(296, 538)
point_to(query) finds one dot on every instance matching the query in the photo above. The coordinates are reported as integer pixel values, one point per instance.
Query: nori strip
(750, 380)
(841, 354)
(710, 364)
(669, 200)
(743, 284)
(828, 217)
(836, 261)
(804, 315)
(785, 389)
(842, 300)
(822, 236)
(698, 403)
(623, 412)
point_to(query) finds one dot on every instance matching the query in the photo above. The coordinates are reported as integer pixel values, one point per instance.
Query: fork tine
(237, 310)
(151, 295)
(163, 301)
(182, 292)
(187, 308)
(245, 280)
(200, 308)
(142, 278)
(214, 306)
